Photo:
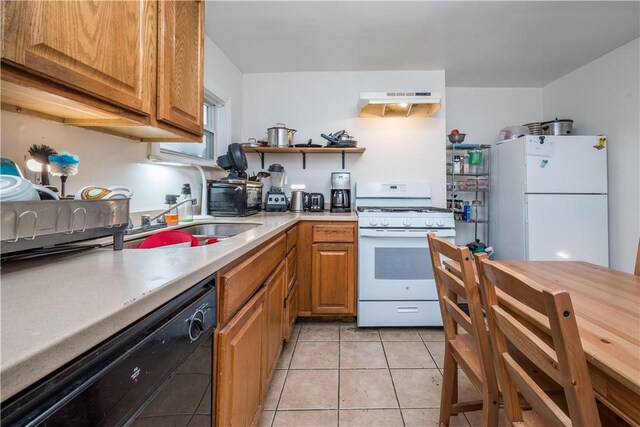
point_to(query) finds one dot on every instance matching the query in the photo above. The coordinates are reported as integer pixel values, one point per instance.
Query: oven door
(395, 265)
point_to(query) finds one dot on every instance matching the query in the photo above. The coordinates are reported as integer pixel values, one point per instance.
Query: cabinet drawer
(334, 233)
(292, 264)
(240, 281)
(292, 238)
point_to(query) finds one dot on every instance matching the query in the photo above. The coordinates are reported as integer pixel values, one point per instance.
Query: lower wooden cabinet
(241, 364)
(333, 278)
(283, 276)
(276, 287)
(326, 268)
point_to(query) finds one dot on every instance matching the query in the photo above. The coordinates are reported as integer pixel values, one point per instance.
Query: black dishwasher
(156, 372)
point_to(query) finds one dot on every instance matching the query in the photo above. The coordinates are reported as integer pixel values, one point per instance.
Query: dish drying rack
(27, 225)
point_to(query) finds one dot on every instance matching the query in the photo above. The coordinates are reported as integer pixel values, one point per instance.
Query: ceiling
(483, 44)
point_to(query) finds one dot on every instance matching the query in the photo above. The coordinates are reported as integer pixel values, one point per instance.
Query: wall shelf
(261, 151)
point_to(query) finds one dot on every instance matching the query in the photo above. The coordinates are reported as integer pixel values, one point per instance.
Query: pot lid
(557, 120)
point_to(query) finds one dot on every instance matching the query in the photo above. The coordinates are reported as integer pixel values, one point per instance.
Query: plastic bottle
(185, 211)
(171, 217)
(466, 214)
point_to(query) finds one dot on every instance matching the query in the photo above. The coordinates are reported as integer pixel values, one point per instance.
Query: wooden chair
(637, 269)
(514, 305)
(469, 350)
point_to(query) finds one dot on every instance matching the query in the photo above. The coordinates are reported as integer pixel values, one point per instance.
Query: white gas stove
(396, 285)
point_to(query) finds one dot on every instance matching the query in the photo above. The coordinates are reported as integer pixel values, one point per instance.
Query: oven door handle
(382, 233)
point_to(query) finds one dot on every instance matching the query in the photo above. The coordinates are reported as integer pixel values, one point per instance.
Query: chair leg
(447, 398)
(490, 408)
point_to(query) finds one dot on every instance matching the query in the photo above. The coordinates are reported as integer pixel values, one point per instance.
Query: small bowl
(456, 138)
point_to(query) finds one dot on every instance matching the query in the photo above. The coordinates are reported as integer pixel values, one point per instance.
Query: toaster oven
(234, 197)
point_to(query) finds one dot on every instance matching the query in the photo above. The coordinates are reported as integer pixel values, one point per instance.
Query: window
(210, 124)
(213, 114)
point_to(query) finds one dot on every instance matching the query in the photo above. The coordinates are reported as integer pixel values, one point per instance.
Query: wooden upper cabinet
(103, 48)
(181, 64)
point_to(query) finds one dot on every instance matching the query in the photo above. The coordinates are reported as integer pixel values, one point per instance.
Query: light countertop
(55, 309)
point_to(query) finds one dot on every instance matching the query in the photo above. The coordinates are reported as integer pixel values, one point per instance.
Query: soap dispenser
(185, 211)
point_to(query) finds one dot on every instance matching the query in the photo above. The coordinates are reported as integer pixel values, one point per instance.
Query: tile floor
(334, 374)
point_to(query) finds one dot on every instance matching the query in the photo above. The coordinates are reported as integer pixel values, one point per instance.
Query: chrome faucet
(146, 220)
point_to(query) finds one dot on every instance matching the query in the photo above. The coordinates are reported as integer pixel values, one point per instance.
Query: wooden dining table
(607, 307)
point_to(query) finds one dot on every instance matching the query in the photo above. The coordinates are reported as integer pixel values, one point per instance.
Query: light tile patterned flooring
(334, 374)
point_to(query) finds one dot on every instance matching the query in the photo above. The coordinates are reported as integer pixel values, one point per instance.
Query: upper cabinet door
(103, 48)
(181, 64)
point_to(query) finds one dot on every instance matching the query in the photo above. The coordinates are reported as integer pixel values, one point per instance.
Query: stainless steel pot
(558, 127)
(280, 136)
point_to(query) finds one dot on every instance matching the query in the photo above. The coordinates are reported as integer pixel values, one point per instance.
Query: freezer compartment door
(565, 164)
(567, 227)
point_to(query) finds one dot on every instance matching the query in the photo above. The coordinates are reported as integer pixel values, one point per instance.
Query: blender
(276, 200)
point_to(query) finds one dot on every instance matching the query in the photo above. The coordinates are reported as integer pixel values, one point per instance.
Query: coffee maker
(340, 192)
(276, 200)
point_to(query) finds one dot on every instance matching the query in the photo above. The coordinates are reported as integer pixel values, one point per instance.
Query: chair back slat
(510, 284)
(560, 356)
(535, 396)
(535, 349)
(446, 248)
(458, 315)
(451, 282)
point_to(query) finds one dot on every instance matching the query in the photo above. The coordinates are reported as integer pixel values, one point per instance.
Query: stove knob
(373, 222)
(428, 222)
(440, 222)
(384, 222)
(406, 222)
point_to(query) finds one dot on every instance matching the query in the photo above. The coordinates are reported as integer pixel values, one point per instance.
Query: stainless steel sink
(219, 230)
(203, 232)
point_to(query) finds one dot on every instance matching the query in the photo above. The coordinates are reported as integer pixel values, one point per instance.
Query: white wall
(224, 79)
(325, 102)
(107, 160)
(481, 112)
(602, 97)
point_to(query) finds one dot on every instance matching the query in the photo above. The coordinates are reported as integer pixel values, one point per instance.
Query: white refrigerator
(549, 199)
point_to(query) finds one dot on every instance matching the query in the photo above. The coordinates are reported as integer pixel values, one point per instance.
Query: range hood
(399, 104)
